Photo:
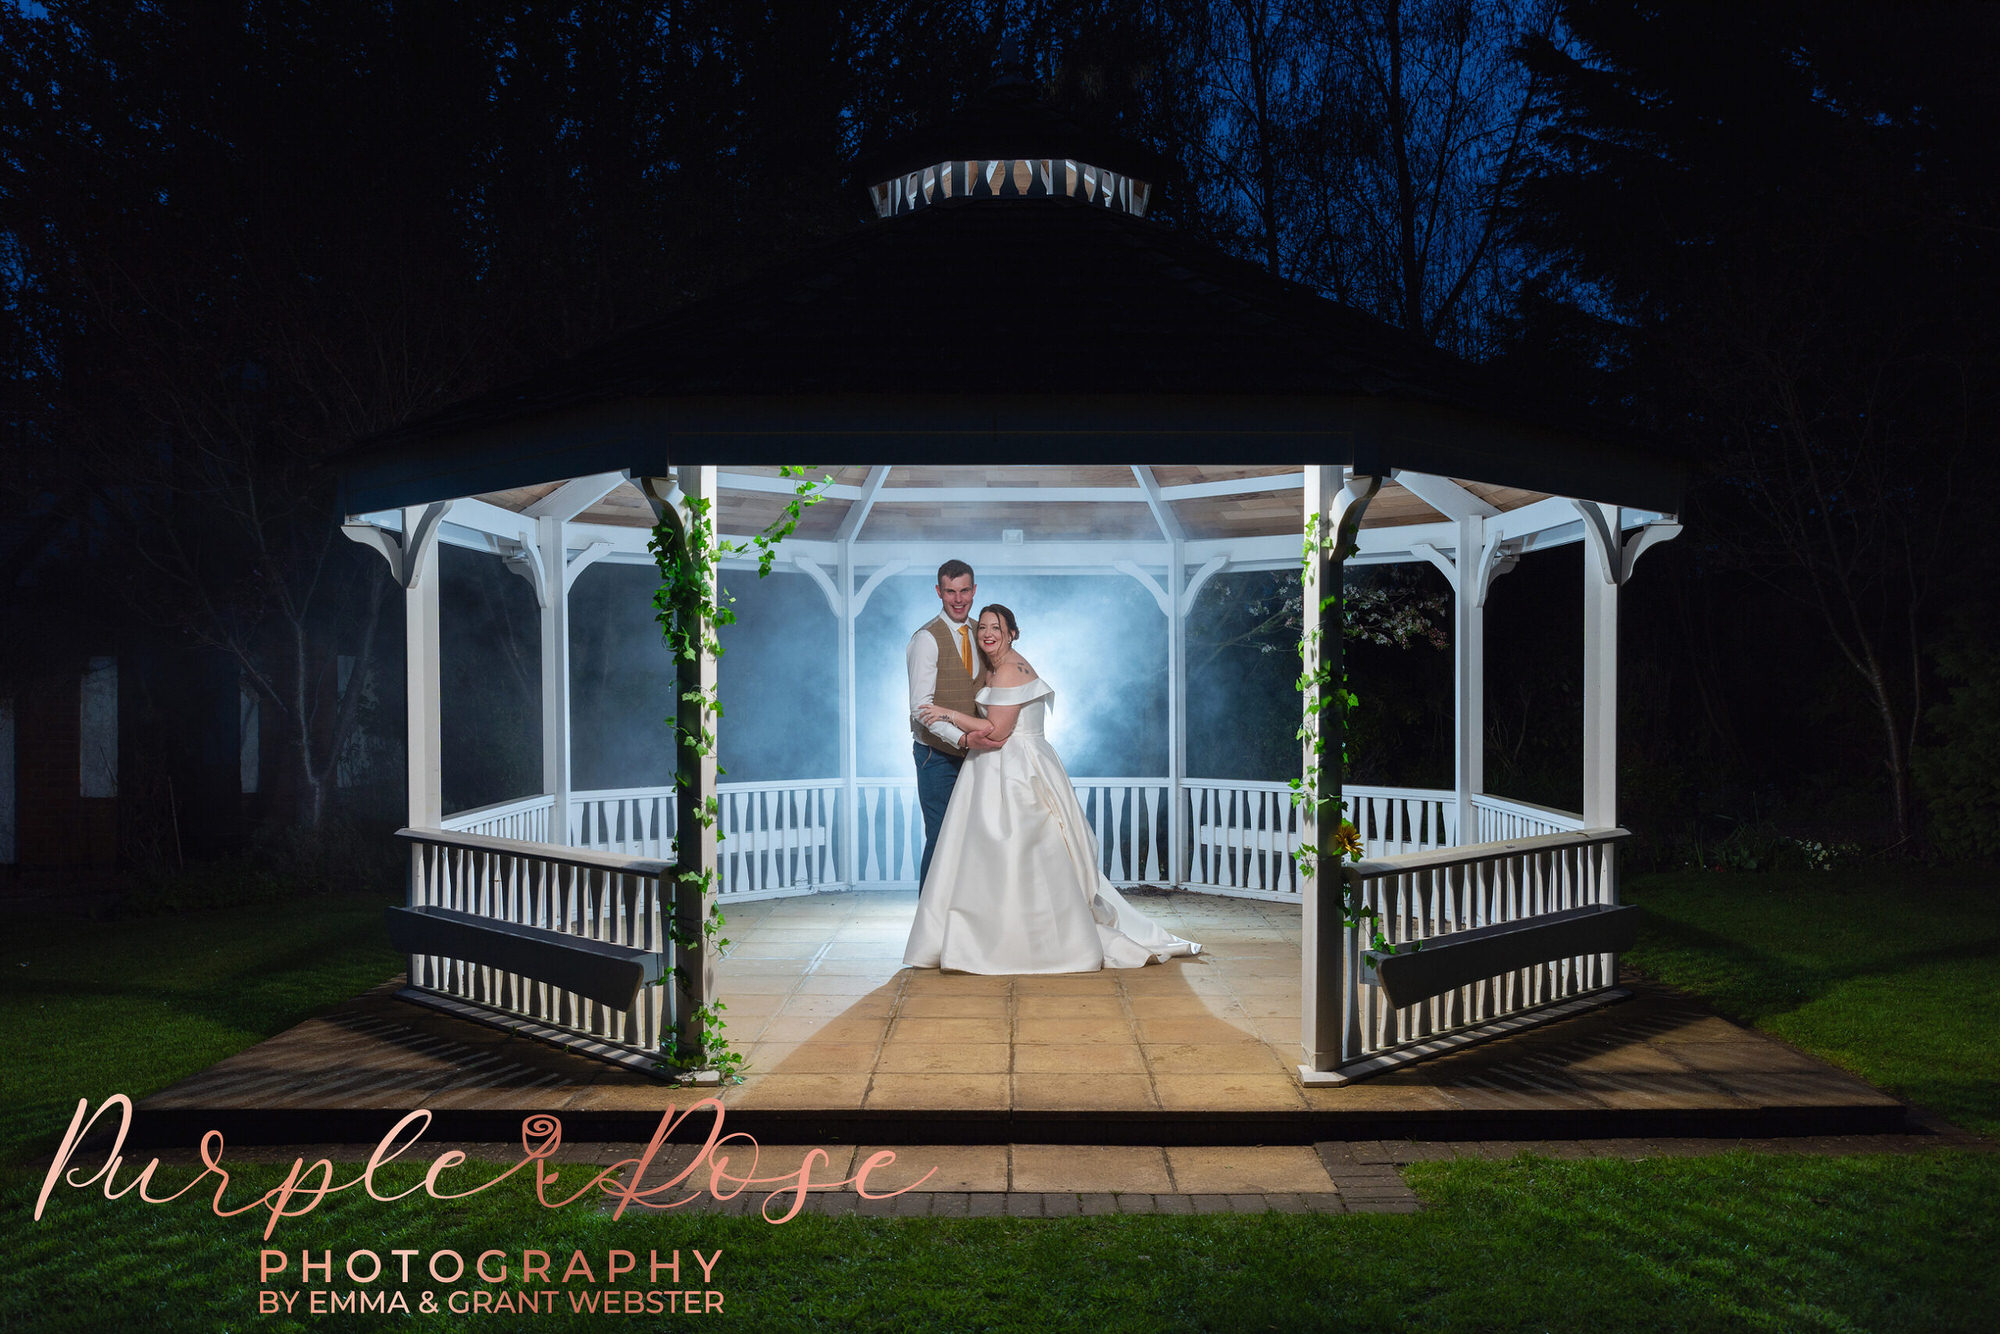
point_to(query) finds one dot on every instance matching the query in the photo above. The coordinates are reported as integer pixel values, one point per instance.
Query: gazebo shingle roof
(1045, 330)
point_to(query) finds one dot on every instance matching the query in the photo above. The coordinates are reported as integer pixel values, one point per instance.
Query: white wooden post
(694, 792)
(1468, 606)
(1603, 570)
(848, 607)
(1471, 570)
(695, 840)
(551, 536)
(1177, 851)
(413, 563)
(421, 685)
(1172, 600)
(1182, 813)
(1333, 509)
(849, 867)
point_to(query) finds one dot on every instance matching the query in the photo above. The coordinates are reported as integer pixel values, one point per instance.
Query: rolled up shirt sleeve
(922, 660)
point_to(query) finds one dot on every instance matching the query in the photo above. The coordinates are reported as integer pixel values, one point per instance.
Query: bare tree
(1847, 485)
(1251, 63)
(1420, 116)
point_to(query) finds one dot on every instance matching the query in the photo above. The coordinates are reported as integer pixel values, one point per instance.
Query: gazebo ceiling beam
(981, 495)
(1098, 556)
(1230, 486)
(471, 512)
(1235, 486)
(857, 513)
(575, 496)
(1443, 495)
(1163, 513)
(481, 526)
(782, 486)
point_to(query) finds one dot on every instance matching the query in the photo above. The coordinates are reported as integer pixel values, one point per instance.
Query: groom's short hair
(951, 569)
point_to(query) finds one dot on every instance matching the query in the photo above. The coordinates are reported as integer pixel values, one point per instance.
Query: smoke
(621, 683)
(489, 668)
(1099, 640)
(778, 680)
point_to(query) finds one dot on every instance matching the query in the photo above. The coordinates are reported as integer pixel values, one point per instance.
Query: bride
(1014, 885)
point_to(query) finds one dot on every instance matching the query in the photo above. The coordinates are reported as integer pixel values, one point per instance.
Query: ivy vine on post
(1317, 683)
(691, 609)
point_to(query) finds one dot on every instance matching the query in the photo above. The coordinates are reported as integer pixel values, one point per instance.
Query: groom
(944, 669)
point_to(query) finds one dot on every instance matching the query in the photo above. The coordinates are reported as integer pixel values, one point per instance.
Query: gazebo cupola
(1008, 144)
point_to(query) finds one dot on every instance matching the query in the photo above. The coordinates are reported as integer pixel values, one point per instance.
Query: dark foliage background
(237, 237)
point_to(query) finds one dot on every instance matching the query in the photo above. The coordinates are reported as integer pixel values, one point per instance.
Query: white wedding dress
(1014, 884)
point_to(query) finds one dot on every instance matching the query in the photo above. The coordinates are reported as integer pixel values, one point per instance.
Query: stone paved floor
(844, 1043)
(827, 1016)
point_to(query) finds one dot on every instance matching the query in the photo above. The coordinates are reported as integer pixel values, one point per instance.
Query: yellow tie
(965, 648)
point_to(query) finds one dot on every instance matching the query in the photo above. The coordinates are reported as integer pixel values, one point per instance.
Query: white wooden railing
(1429, 896)
(600, 897)
(786, 837)
(1500, 818)
(890, 832)
(778, 837)
(1243, 837)
(526, 819)
(635, 821)
(1129, 816)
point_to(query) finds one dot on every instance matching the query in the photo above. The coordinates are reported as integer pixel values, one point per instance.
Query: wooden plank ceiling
(903, 511)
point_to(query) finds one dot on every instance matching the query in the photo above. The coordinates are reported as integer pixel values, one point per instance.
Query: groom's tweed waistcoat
(955, 690)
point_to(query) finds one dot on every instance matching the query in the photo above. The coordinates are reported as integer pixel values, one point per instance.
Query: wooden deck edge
(1450, 1042)
(183, 1126)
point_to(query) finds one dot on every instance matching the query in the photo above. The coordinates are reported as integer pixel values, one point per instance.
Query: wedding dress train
(1014, 885)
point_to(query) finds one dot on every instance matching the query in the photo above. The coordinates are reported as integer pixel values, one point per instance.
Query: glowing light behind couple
(1099, 639)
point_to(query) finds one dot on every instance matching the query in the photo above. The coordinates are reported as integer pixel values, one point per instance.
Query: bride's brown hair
(1006, 616)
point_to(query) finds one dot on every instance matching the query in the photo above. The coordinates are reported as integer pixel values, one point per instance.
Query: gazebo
(1030, 370)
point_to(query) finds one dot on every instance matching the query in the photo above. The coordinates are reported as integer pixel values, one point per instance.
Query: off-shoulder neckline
(1031, 681)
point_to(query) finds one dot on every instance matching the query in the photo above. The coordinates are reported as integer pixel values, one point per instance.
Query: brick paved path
(1069, 1181)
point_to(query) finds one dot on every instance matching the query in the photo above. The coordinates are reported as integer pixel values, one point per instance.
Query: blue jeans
(936, 773)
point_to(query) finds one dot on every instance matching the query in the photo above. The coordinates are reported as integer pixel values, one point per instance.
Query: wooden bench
(607, 973)
(1445, 963)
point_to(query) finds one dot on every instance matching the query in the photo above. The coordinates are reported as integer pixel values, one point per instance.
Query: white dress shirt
(923, 664)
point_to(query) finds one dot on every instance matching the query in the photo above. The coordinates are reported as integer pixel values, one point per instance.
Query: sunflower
(1348, 841)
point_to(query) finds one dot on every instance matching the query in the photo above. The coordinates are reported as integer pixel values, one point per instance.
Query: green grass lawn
(1730, 1242)
(1893, 973)
(88, 1009)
